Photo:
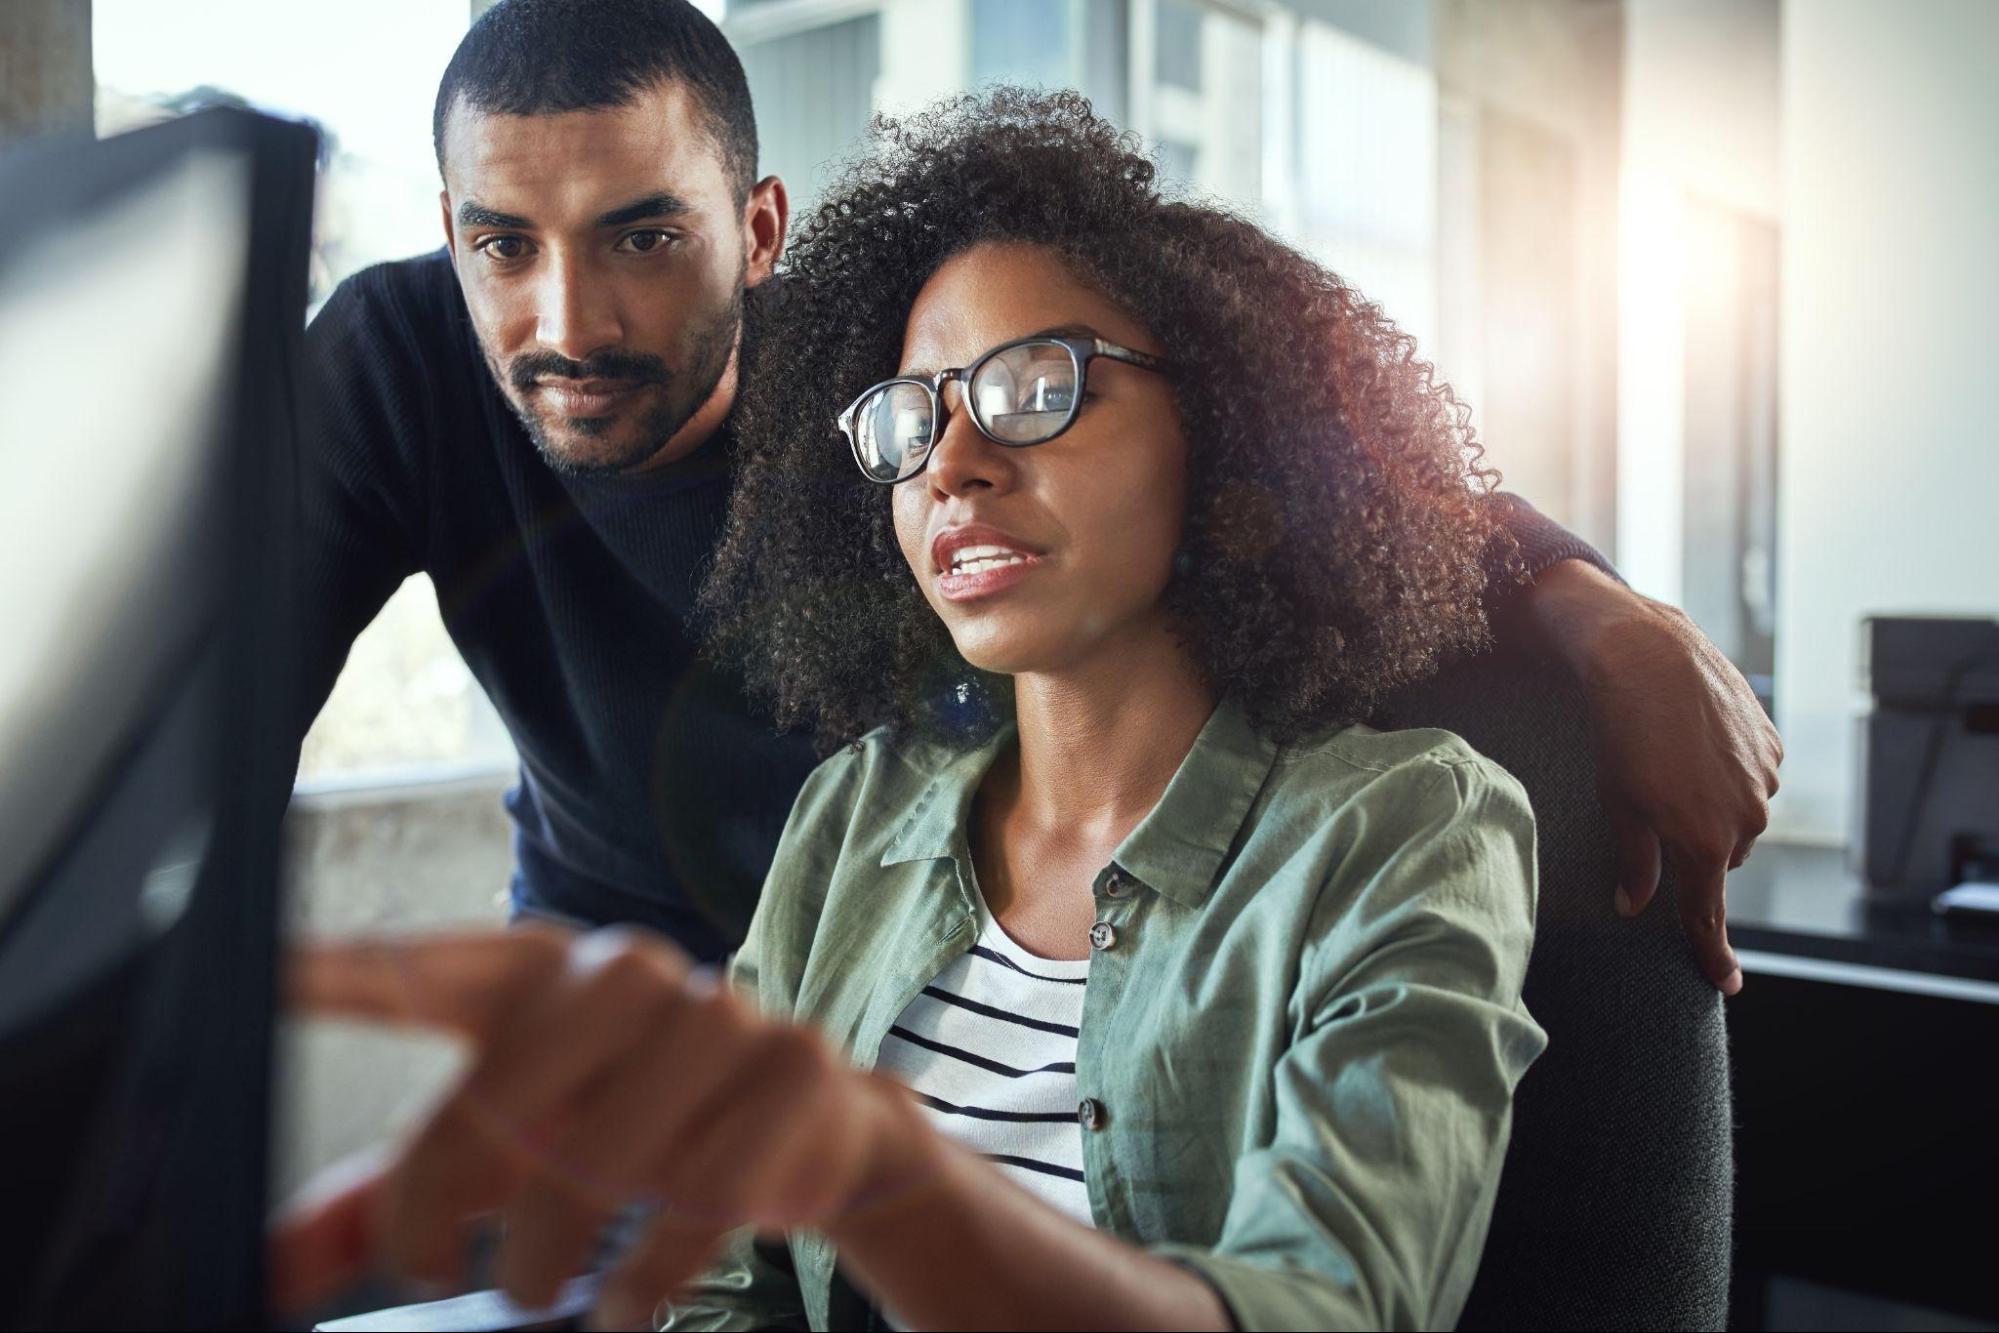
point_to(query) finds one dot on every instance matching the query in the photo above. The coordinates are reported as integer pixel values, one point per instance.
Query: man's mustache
(607, 365)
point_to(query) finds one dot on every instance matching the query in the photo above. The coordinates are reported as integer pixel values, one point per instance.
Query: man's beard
(685, 392)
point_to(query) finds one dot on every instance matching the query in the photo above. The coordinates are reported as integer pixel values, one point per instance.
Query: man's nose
(575, 312)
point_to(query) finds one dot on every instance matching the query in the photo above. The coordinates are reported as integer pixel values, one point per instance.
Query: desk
(1867, 1110)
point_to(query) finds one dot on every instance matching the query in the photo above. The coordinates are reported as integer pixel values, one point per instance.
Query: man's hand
(1686, 757)
(604, 1071)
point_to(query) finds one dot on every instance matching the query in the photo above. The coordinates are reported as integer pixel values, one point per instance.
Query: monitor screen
(151, 300)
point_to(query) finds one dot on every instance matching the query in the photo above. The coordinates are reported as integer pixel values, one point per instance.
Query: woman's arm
(967, 1248)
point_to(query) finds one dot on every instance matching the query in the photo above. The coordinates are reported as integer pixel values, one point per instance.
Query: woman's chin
(1007, 654)
(1002, 664)
(1020, 642)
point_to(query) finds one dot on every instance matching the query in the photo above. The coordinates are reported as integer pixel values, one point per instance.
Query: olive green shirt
(1301, 1032)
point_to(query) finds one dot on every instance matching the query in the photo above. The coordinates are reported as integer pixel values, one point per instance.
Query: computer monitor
(152, 300)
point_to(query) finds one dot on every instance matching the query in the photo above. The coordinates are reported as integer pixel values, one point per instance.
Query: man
(538, 417)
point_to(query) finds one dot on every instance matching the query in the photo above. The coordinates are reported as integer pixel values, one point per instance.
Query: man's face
(603, 256)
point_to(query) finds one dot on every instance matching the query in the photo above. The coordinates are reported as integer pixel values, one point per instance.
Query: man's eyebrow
(471, 214)
(656, 205)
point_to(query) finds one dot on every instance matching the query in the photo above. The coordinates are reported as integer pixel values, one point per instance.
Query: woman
(1209, 999)
(1178, 506)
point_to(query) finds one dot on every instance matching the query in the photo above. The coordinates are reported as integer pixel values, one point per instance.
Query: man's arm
(1531, 544)
(364, 416)
(1686, 757)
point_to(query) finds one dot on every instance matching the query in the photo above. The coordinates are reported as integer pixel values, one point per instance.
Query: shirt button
(1090, 1113)
(1116, 885)
(1103, 935)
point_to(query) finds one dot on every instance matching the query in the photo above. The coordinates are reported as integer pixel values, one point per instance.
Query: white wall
(1889, 469)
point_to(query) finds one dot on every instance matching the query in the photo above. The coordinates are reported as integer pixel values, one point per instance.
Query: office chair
(1614, 1207)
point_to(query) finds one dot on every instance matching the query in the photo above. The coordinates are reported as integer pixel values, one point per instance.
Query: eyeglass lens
(1023, 395)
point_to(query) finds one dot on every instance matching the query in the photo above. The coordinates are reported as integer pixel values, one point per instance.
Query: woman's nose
(964, 458)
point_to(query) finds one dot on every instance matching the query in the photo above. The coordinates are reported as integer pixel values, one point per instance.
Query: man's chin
(593, 446)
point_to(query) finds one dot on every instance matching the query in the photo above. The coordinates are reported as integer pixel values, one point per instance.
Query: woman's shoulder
(887, 769)
(1422, 772)
(830, 862)
(887, 798)
(1416, 836)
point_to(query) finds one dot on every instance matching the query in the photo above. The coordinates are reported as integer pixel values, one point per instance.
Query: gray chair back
(1614, 1207)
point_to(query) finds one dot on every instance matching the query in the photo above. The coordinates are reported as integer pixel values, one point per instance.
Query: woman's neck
(1100, 741)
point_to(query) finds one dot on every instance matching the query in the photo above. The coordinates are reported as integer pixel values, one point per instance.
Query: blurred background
(1714, 275)
(1717, 277)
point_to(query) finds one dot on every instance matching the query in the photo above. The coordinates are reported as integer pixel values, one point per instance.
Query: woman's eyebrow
(1066, 331)
(1058, 331)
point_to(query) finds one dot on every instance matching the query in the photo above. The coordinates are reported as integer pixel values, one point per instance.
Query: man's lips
(587, 398)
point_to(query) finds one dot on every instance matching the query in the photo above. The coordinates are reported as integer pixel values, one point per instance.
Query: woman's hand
(1686, 757)
(604, 1071)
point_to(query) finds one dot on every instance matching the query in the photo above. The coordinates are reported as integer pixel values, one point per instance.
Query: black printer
(1930, 754)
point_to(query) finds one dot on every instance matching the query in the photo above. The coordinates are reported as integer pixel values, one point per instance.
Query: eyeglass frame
(1081, 351)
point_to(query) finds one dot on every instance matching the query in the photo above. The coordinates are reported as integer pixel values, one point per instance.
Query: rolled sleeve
(752, 1285)
(1368, 1204)
(1527, 545)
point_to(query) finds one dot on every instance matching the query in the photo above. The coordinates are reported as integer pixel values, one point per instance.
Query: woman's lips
(969, 587)
(587, 398)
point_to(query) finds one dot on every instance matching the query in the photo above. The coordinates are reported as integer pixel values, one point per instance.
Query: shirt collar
(938, 819)
(1177, 849)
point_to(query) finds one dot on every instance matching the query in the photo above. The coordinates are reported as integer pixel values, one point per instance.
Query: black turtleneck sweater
(650, 790)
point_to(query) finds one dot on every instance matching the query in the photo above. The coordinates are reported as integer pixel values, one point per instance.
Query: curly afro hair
(1338, 510)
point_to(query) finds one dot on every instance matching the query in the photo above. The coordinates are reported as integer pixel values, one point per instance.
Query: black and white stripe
(990, 1049)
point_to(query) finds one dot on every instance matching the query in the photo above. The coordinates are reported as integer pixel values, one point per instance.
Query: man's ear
(764, 220)
(450, 233)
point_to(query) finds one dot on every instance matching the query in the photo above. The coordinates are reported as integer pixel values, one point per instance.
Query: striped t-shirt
(989, 1048)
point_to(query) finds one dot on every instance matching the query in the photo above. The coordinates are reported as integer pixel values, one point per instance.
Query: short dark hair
(540, 57)
(1339, 519)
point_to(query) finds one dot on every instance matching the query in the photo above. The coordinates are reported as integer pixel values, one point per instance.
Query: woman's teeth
(977, 559)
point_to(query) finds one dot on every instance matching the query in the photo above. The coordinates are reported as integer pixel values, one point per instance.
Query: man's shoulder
(415, 299)
(393, 381)
(392, 351)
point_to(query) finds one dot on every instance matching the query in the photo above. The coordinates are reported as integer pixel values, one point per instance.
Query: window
(1186, 74)
(1197, 95)
(1365, 171)
(813, 91)
(1024, 41)
(1728, 547)
(365, 72)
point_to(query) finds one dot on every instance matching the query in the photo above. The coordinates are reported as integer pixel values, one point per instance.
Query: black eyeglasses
(1020, 393)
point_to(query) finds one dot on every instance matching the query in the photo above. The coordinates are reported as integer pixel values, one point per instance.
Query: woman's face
(1096, 512)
